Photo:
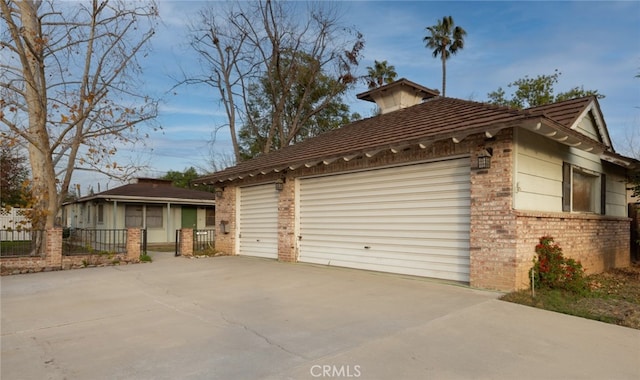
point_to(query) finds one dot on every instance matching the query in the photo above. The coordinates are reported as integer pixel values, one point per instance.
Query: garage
(258, 221)
(412, 219)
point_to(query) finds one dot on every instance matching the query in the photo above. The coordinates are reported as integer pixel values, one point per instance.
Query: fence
(193, 242)
(14, 219)
(81, 248)
(22, 243)
(203, 240)
(87, 241)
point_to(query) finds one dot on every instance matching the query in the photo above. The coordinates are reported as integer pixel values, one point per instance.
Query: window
(210, 217)
(100, 213)
(133, 216)
(154, 217)
(582, 190)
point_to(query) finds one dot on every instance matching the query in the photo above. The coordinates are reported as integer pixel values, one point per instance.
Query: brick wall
(53, 259)
(493, 225)
(599, 242)
(226, 212)
(186, 242)
(287, 239)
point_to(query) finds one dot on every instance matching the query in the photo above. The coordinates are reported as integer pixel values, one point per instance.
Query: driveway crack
(263, 337)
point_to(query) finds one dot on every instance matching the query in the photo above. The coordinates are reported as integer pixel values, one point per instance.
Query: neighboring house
(153, 204)
(435, 187)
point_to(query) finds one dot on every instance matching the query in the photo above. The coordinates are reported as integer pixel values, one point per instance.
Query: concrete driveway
(246, 318)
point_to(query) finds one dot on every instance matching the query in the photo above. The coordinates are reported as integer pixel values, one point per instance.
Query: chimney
(398, 95)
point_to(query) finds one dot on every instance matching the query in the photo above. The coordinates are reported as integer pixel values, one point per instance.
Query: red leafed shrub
(552, 270)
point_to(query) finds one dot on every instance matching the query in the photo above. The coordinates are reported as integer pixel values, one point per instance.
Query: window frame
(127, 216)
(210, 217)
(151, 221)
(597, 192)
(100, 213)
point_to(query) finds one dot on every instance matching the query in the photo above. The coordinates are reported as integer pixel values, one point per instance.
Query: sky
(593, 44)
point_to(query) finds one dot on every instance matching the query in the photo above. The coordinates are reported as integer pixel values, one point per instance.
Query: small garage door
(411, 220)
(259, 221)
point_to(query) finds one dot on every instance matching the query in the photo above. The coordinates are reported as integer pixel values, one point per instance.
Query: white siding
(538, 177)
(587, 127)
(616, 195)
(259, 221)
(411, 220)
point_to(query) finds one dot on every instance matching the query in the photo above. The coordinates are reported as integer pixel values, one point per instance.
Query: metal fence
(92, 241)
(203, 240)
(22, 243)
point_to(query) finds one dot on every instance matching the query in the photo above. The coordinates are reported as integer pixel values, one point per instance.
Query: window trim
(567, 189)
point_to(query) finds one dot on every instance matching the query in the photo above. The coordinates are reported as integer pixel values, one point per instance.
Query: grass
(612, 297)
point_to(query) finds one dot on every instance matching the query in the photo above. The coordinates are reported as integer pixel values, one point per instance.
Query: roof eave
(559, 133)
(140, 199)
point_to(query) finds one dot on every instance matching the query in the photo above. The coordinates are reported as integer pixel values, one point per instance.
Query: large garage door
(411, 220)
(259, 221)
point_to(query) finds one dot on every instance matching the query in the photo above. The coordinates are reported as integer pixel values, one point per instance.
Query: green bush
(552, 270)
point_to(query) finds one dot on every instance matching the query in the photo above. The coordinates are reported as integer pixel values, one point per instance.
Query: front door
(189, 217)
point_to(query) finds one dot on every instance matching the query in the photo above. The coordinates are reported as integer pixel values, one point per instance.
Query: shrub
(145, 258)
(552, 270)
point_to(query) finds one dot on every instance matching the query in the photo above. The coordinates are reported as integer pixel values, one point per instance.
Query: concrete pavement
(246, 318)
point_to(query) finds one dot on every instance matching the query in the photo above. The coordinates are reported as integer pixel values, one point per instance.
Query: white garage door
(259, 221)
(412, 220)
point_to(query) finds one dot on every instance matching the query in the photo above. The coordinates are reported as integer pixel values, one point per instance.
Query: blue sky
(593, 44)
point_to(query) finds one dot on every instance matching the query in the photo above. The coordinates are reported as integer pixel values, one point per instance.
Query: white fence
(14, 219)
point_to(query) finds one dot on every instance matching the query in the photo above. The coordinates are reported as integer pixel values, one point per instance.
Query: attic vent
(398, 95)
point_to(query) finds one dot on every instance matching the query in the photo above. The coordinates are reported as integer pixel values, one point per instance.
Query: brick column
(493, 224)
(186, 242)
(133, 244)
(226, 212)
(287, 239)
(53, 248)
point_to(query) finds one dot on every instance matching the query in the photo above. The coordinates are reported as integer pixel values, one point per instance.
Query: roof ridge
(495, 107)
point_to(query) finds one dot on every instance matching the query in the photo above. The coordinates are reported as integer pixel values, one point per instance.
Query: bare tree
(283, 48)
(68, 88)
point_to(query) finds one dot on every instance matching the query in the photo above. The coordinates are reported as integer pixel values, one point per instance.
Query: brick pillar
(186, 242)
(133, 244)
(493, 224)
(53, 248)
(226, 214)
(287, 239)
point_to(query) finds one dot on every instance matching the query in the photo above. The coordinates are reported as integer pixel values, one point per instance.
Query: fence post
(133, 244)
(186, 242)
(53, 248)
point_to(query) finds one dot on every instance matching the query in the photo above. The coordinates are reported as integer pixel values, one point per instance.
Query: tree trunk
(43, 187)
(444, 75)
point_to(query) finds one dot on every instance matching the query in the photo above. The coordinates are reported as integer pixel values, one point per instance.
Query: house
(153, 204)
(436, 187)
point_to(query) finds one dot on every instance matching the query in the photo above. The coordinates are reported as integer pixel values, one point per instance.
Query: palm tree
(445, 39)
(381, 73)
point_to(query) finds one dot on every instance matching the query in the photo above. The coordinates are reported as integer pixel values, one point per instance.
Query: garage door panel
(374, 188)
(413, 219)
(434, 270)
(259, 221)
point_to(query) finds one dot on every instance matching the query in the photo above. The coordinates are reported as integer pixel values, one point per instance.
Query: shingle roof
(436, 119)
(566, 112)
(153, 191)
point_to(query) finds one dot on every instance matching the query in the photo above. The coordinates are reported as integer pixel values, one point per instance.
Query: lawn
(612, 297)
